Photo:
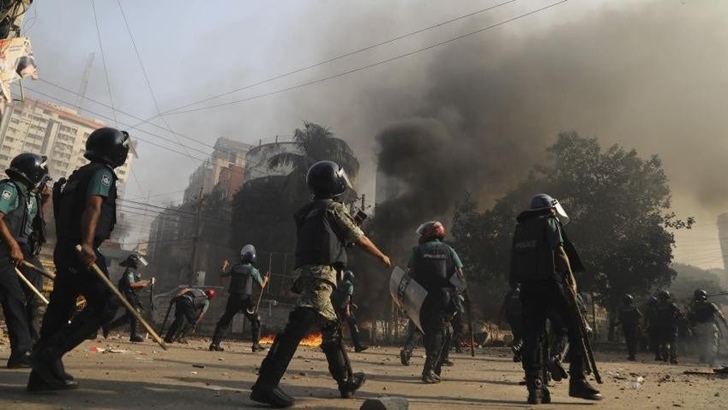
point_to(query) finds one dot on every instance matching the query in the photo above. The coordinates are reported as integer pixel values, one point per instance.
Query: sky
(645, 74)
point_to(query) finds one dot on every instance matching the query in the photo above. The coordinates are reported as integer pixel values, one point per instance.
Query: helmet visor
(561, 213)
(142, 260)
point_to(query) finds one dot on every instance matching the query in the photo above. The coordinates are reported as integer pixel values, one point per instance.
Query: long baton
(126, 303)
(30, 285)
(169, 309)
(39, 270)
(260, 297)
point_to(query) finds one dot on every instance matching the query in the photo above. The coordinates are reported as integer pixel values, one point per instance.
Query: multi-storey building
(224, 169)
(52, 130)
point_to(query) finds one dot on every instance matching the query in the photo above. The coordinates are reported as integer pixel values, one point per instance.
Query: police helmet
(516, 286)
(627, 299)
(652, 301)
(348, 275)
(30, 169)
(326, 179)
(545, 201)
(210, 293)
(431, 230)
(663, 296)
(700, 295)
(247, 254)
(134, 261)
(108, 145)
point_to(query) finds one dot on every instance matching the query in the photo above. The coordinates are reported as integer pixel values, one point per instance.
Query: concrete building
(257, 158)
(48, 129)
(723, 237)
(225, 169)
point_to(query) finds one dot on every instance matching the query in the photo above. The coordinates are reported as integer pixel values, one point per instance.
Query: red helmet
(430, 230)
(210, 293)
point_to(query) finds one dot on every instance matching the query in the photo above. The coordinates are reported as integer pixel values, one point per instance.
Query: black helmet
(663, 296)
(700, 294)
(108, 145)
(30, 169)
(627, 299)
(133, 261)
(247, 254)
(348, 275)
(326, 179)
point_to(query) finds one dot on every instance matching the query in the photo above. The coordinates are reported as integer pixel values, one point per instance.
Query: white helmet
(545, 201)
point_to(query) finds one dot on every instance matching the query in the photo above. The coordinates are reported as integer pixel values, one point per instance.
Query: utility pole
(196, 238)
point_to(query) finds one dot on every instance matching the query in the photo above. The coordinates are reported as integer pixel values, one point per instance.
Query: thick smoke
(646, 77)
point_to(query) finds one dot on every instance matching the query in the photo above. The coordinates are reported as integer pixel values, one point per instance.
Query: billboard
(16, 61)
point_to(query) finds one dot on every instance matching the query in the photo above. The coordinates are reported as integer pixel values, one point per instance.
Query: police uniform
(342, 298)
(324, 227)
(704, 316)
(22, 308)
(537, 237)
(240, 291)
(514, 313)
(129, 277)
(432, 264)
(629, 317)
(188, 308)
(666, 316)
(73, 278)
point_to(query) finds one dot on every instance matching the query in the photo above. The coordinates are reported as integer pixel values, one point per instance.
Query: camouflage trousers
(314, 286)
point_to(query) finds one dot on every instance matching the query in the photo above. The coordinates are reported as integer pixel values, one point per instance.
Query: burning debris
(312, 340)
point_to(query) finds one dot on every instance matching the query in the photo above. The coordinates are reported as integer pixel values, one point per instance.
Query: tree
(315, 143)
(619, 206)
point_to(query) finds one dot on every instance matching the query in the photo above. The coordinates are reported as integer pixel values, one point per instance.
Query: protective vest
(72, 201)
(198, 298)
(703, 312)
(532, 259)
(432, 265)
(342, 294)
(629, 316)
(317, 242)
(241, 279)
(17, 219)
(125, 283)
(667, 314)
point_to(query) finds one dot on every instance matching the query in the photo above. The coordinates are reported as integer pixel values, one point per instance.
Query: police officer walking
(666, 315)
(85, 213)
(432, 265)
(324, 228)
(344, 305)
(630, 317)
(704, 317)
(190, 306)
(241, 289)
(542, 265)
(21, 213)
(129, 286)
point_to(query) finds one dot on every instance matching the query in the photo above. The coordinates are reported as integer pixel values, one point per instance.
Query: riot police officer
(21, 213)
(190, 306)
(704, 317)
(630, 317)
(85, 211)
(541, 261)
(324, 227)
(129, 286)
(345, 307)
(667, 314)
(241, 288)
(433, 264)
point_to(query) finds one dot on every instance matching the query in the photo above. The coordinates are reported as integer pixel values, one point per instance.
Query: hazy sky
(654, 79)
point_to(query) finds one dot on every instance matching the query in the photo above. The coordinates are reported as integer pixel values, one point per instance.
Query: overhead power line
(368, 66)
(339, 57)
(103, 59)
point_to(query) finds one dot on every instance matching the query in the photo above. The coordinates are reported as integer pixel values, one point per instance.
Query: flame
(313, 339)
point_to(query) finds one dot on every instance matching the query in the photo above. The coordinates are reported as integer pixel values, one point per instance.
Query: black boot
(215, 347)
(272, 395)
(405, 356)
(535, 390)
(580, 388)
(348, 387)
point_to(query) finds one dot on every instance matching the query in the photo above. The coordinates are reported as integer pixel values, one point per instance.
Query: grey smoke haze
(644, 74)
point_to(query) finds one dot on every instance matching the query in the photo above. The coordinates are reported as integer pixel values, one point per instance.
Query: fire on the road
(313, 339)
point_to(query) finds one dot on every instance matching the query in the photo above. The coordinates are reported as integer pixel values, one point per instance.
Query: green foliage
(619, 206)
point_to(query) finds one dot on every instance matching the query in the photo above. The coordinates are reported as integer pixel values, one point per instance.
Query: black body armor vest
(241, 279)
(198, 298)
(704, 312)
(433, 265)
(532, 259)
(72, 202)
(317, 242)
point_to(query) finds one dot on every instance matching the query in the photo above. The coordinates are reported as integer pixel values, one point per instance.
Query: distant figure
(630, 317)
(666, 316)
(345, 307)
(242, 277)
(190, 306)
(129, 285)
(704, 317)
